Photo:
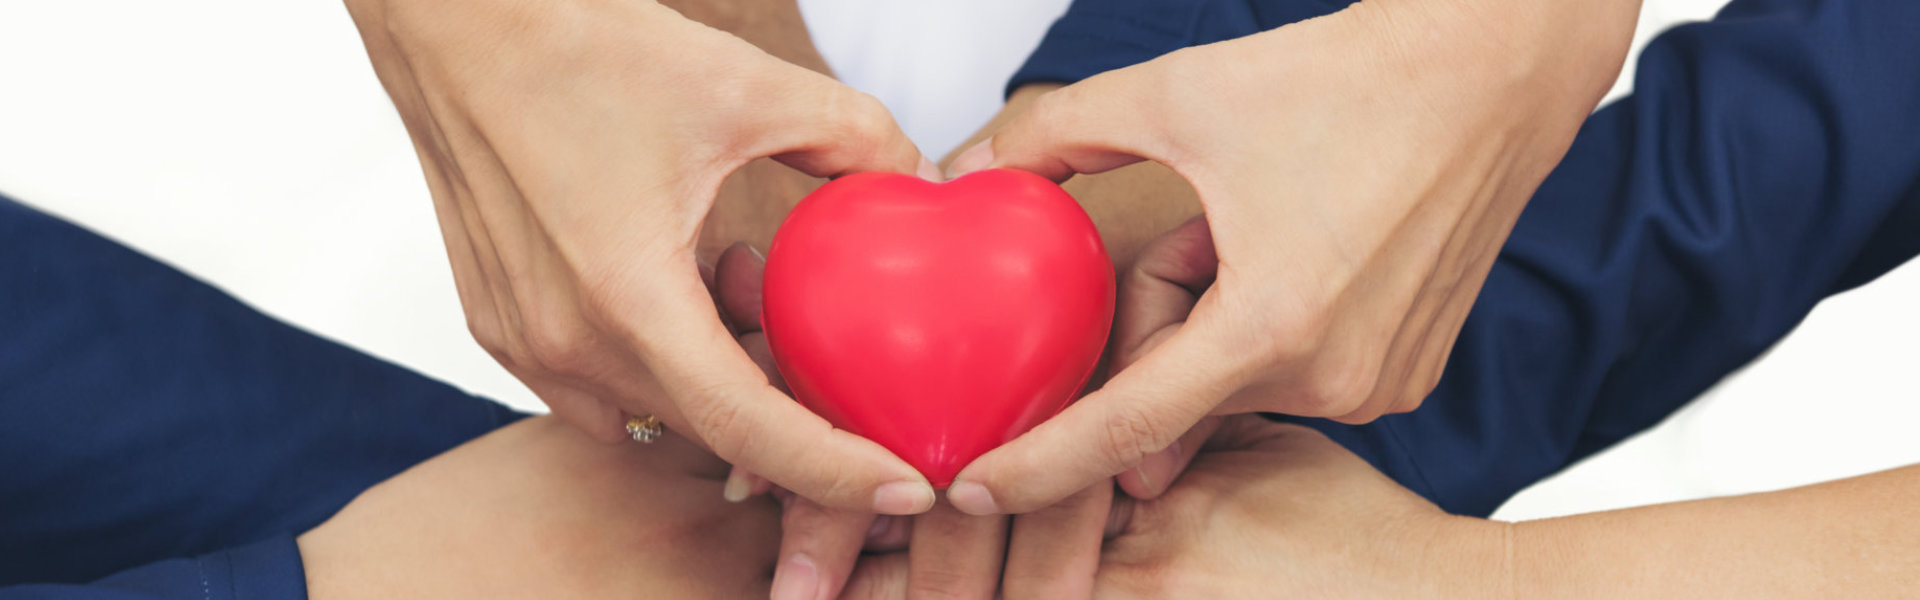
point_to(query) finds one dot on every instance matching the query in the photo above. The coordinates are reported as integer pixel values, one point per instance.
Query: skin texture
(540, 510)
(1266, 510)
(1269, 510)
(574, 162)
(1359, 172)
(1852, 537)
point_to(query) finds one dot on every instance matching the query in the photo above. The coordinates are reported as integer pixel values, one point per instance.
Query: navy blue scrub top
(159, 439)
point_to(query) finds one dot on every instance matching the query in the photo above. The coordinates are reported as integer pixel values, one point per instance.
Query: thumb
(1155, 298)
(1157, 471)
(727, 401)
(1141, 411)
(1173, 371)
(1092, 126)
(849, 132)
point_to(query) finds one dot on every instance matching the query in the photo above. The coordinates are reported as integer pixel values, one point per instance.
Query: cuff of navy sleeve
(269, 569)
(266, 570)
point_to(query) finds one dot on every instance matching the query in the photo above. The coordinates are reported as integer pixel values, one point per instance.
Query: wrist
(1556, 56)
(1470, 558)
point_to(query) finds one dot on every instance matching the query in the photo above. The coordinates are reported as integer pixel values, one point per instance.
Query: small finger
(889, 533)
(818, 549)
(1158, 472)
(742, 485)
(955, 555)
(1160, 291)
(1055, 551)
(737, 283)
(878, 577)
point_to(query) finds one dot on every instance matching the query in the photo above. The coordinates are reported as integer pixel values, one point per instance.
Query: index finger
(1142, 410)
(728, 403)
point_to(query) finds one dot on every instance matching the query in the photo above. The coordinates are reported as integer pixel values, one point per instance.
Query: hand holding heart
(1359, 173)
(1047, 554)
(573, 149)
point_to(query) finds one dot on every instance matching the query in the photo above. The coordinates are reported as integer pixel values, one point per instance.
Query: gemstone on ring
(644, 429)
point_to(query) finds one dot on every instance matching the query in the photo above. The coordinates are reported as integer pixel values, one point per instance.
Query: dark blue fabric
(1766, 160)
(268, 569)
(1095, 36)
(145, 415)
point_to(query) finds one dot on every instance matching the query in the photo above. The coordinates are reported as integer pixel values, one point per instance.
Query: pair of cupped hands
(1358, 174)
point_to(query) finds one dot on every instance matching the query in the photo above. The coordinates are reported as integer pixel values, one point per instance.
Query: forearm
(539, 510)
(1856, 537)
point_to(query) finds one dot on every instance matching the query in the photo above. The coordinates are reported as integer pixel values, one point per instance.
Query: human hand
(573, 149)
(1050, 553)
(536, 498)
(1360, 173)
(943, 553)
(1271, 510)
(539, 510)
(1264, 510)
(958, 555)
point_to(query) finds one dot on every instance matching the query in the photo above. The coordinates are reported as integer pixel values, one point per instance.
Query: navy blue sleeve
(146, 416)
(1096, 36)
(1767, 159)
(265, 570)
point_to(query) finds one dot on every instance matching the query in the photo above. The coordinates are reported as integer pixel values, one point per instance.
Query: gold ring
(644, 429)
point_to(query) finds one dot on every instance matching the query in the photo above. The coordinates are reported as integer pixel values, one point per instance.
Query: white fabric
(938, 65)
(248, 143)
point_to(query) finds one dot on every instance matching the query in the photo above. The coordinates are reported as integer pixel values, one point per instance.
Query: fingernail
(1158, 473)
(879, 527)
(796, 579)
(1146, 480)
(974, 159)
(930, 171)
(972, 498)
(903, 498)
(739, 485)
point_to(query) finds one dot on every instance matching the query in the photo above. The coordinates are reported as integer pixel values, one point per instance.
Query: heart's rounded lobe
(938, 319)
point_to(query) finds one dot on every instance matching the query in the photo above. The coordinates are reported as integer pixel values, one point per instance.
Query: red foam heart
(940, 320)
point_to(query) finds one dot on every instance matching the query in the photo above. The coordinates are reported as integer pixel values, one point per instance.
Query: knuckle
(1052, 112)
(843, 483)
(862, 117)
(557, 345)
(1415, 395)
(485, 329)
(1133, 432)
(1339, 389)
(1289, 336)
(943, 582)
(720, 424)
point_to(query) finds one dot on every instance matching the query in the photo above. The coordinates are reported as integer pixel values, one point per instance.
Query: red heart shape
(940, 320)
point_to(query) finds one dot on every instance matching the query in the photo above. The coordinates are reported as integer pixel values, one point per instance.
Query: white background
(248, 143)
